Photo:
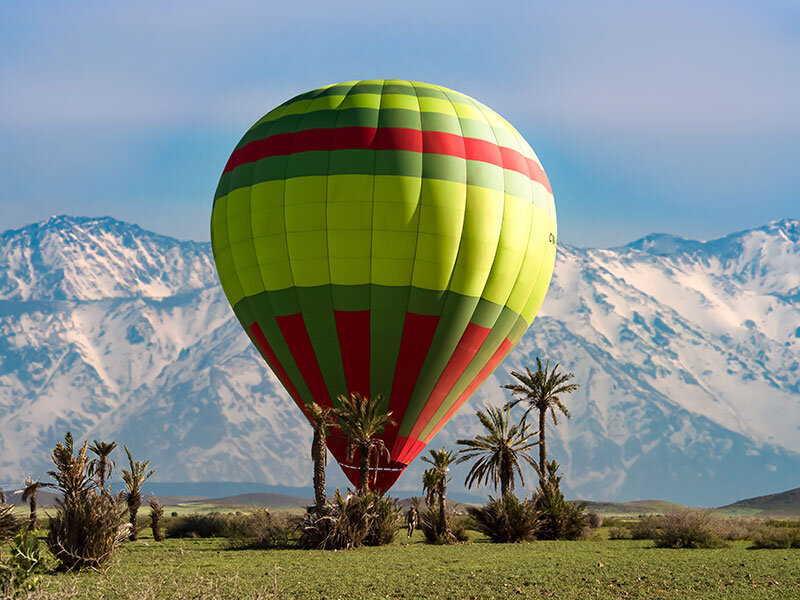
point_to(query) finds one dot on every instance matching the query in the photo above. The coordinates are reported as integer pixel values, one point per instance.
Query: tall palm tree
(440, 461)
(498, 453)
(102, 466)
(321, 418)
(29, 495)
(542, 391)
(134, 478)
(361, 419)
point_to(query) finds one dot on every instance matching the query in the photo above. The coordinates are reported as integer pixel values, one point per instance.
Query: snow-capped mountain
(688, 353)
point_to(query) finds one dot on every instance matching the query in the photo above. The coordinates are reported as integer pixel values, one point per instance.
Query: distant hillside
(782, 505)
(633, 509)
(269, 500)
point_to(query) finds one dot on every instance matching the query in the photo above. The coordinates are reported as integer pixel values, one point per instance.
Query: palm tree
(102, 466)
(440, 461)
(321, 418)
(429, 486)
(134, 479)
(541, 391)
(361, 419)
(498, 453)
(29, 495)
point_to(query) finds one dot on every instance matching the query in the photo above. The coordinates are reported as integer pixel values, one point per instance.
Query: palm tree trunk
(102, 474)
(363, 469)
(542, 450)
(33, 511)
(318, 456)
(133, 511)
(505, 477)
(443, 507)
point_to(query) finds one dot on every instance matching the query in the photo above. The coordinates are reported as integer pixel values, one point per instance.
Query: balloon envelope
(384, 237)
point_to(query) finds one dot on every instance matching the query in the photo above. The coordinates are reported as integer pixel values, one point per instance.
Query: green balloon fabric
(384, 237)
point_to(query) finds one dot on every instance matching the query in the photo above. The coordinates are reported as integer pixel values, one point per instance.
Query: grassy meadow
(205, 569)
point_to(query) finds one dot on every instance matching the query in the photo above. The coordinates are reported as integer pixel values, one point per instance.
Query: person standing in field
(411, 520)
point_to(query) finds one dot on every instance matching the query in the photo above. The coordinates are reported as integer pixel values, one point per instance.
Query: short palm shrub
(260, 529)
(87, 526)
(9, 523)
(384, 520)
(689, 529)
(777, 538)
(156, 515)
(431, 526)
(506, 519)
(351, 521)
(559, 519)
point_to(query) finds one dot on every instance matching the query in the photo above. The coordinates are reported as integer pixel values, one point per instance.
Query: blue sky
(678, 117)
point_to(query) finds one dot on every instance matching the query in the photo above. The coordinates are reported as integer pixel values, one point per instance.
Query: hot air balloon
(384, 237)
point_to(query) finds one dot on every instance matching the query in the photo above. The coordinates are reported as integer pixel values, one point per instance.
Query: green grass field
(595, 568)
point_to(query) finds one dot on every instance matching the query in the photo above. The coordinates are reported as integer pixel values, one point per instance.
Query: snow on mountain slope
(688, 353)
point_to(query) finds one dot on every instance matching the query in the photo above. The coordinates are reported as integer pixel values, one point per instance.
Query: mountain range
(688, 354)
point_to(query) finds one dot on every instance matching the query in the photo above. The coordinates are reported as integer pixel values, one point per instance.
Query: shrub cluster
(430, 524)
(507, 519)
(559, 519)
(352, 521)
(260, 529)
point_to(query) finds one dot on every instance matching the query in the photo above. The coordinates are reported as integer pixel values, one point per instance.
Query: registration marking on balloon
(384, 237)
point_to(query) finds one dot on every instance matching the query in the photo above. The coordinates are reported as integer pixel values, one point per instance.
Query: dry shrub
(646, 528)
(777, 538)
(595, 520)
(507, 519)
(260, 529)
(690, 529)
(198, 526)
(619, 533)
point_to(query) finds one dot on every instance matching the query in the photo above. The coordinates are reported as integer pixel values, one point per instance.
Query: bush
(366, 519)
(260, 529)
(506, 519)
(384, 521)
(9, 523)
(614, 522)
(87, 533)
(559, 519)
(689, 529)
(198, 526)
(777, 538)
(22, 571)
(595, 520)
(87, 527)
(618, 533)
(646, 528)
(156, 516)
(430, 525)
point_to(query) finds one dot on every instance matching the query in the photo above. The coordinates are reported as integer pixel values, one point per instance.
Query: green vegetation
(594, 568)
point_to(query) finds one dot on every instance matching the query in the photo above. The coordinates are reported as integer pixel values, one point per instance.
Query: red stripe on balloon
(415, 342)
(275, 364)
(490, 366)
(352, 328)
(294, 332)
(409, 449)
(389, 138)
(468, 346)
